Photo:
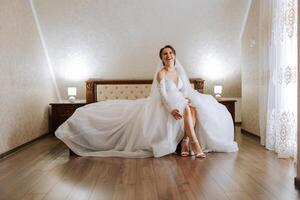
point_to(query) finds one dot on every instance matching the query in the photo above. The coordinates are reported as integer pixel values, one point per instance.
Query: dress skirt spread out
(140, 128)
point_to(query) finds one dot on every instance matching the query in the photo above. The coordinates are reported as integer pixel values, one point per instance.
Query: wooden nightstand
(230, 106)
(60, 112)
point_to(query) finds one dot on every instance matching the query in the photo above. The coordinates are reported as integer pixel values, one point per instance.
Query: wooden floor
(44, 170)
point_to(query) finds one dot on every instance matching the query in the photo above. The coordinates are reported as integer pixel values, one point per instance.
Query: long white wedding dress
(144, 127)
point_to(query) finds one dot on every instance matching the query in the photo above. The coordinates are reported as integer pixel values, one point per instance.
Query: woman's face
(168, 56)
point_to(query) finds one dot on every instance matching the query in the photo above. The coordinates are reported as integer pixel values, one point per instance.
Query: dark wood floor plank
(27, 158)
(31, 196)
(17, 185)
(164, 179)
(75, 170)
(126, 181)
(106, 181)
(85, 185)
(145, 182)
(44, 170)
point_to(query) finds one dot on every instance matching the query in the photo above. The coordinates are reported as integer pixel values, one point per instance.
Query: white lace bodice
(171, 85)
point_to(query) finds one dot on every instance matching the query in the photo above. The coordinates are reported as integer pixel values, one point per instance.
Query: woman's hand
(176, 114)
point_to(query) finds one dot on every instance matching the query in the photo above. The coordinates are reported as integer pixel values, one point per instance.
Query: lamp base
(72, 99)
(218, 96)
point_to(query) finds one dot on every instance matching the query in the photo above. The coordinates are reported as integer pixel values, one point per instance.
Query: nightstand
(60, 112)
(230, 106)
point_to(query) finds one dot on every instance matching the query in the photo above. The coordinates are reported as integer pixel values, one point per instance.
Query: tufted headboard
(99, 90)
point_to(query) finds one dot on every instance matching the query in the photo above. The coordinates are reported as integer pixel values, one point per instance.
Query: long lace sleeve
(184, 91)
(163, 93)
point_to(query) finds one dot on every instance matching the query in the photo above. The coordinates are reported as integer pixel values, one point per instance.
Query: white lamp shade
(218, 89)
(72, 91)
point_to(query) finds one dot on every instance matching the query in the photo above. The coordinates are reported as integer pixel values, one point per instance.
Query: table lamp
(218, 91)
(72, 94)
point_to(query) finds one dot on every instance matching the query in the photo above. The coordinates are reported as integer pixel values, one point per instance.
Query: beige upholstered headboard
(99, 90)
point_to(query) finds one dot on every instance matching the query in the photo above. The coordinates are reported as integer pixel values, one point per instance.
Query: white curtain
(278, 76)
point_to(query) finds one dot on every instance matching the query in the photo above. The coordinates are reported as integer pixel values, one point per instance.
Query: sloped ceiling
(114, 39)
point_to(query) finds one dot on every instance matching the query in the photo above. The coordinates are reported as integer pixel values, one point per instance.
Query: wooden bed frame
(91, 86)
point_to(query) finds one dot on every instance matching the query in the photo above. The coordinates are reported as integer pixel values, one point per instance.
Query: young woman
(153, 126)
(171, 90)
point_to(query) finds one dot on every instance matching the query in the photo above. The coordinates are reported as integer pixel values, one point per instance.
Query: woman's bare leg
(185, 148)
(189, 121)
(185, 143)
(194, 115)
(188, 124)
(193, 112)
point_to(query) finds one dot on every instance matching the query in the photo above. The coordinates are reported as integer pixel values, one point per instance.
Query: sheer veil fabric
(143, 127)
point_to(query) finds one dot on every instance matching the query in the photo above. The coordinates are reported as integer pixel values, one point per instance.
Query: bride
(153, 126)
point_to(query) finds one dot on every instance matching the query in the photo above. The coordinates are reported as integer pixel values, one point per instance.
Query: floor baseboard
(249, 133)
(18, 148)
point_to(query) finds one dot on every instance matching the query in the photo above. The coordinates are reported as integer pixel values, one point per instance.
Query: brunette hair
(167, 46)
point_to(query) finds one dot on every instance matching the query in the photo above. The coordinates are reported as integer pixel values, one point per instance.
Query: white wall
(250, 71)
(298, 118)
(26, 85)
(107, 39)
(113, 39)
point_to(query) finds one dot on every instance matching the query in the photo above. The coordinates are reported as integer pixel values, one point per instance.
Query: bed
(101, 90)
(98, 90)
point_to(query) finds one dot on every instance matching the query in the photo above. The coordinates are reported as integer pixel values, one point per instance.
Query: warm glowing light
(218, 89)
(214, 67)
(75, 67)
(72, 91)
